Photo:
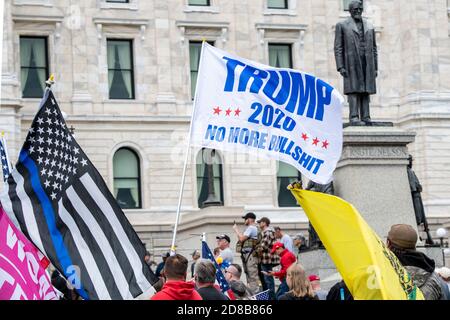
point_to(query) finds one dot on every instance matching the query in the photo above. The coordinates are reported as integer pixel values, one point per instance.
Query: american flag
(63, 205)
(223, 283)
(6, 164)
(262, 296)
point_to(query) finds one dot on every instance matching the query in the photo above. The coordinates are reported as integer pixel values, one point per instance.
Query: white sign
(287, 115)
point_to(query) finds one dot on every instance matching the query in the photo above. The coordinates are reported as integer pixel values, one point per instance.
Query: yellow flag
(370, 270)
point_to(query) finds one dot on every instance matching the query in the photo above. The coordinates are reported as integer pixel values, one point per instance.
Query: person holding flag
(221, 280)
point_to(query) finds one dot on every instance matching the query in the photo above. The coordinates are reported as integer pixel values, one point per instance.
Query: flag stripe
(126, 225)
(109, 213)
(100, 259)
(7, 206)
(37, 215)
(111, 235)
(48, 212)
(27, 210)
(86, 255)
(102, 240)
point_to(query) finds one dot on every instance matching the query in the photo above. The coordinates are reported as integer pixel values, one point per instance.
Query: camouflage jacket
(427, 282)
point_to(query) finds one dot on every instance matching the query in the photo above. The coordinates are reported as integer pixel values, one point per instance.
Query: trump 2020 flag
(22, 266)
(287, 115)
(63, 205)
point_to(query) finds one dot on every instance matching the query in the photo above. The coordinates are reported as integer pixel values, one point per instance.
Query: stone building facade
(413, 92)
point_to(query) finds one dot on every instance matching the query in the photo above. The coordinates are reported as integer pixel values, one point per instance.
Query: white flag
(287, 115)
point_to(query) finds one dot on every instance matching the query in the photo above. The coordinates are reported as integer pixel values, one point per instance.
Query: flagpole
(6, 152)
(183, 177)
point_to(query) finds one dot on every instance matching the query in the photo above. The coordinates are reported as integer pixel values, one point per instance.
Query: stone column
(76, 23)
(165, 99)
(10, 87)
(372, 176)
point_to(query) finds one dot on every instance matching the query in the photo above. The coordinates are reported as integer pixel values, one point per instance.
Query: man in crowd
(176, 287)
(223, 242)
(299, 242)
(195, 257)
(266, 258)
(401, 240)
(148, 260)
(205, 277)
(284, 239)
(246, 247)
(287, 259)
(233, 275)
(315, 283)
(160, 266)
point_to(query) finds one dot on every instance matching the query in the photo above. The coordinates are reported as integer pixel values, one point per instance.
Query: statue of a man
(416, 189)
(314, 240)
(355, 50)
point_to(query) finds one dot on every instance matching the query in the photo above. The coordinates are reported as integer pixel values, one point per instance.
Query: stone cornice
(120, 22)
(202, 24)
(92, 118)
(36, 18)
(279, 26)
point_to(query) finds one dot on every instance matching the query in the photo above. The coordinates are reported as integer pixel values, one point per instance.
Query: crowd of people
(268, 253)
(270, 261)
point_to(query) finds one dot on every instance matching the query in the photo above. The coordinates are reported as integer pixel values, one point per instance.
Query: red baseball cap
(276, 246)
(313, 277)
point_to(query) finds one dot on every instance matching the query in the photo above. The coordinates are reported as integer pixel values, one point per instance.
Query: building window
(277, 4)
(286, 175)
(209, 178)
(33, 65)
(195, 49)
(346, 3)
(120, 69)
(199, 3)
(127, 179)
(280, 55)
(118, 1)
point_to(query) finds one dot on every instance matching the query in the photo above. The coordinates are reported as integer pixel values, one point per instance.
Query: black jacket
(211, 293)
(335, 292)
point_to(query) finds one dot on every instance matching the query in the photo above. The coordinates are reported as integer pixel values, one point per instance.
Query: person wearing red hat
(315, 283)
(287, 258)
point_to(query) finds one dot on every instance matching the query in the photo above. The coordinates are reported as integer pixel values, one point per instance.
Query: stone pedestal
(372, 176)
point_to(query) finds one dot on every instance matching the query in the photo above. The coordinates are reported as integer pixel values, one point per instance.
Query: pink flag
(22, 266)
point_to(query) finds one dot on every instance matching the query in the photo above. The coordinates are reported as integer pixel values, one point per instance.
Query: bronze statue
(356, 56)
(314, 240)
(416, 189)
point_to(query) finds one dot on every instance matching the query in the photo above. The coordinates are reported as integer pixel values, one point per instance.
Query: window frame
(286, 6)
(221, 194)
(291, 58)
(133, 90)
(298, 178)
(190, 70)
(200, 5)
(47, 61)
(139, 179)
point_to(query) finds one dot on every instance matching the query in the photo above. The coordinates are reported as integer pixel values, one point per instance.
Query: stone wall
(413, 84)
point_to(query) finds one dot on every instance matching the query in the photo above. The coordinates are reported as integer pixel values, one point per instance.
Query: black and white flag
(64, 206)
